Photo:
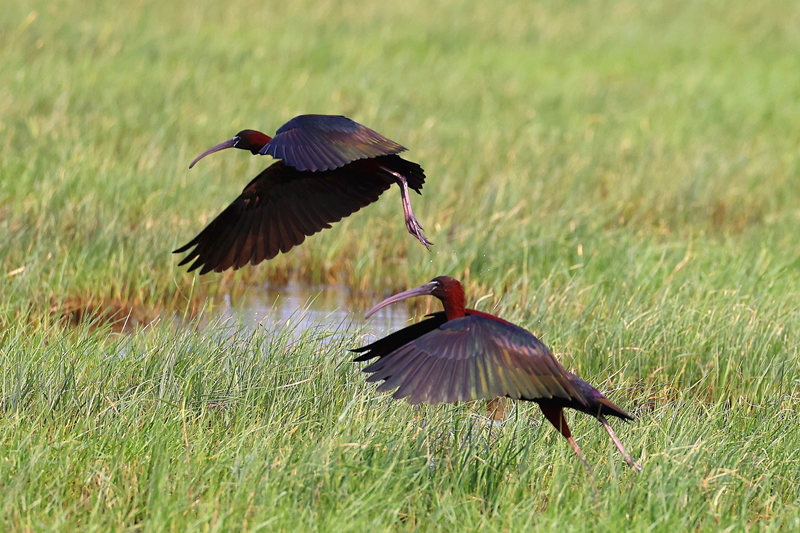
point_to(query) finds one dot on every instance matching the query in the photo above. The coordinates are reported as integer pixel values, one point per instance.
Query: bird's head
(445, 288)
(251, 140)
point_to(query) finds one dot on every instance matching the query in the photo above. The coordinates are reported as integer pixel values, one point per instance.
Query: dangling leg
(412, 224)
(633, 464)
(556, 417)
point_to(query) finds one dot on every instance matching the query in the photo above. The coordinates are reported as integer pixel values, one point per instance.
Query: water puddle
(302, 306)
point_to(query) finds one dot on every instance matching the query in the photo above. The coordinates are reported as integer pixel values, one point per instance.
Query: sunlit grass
(620, 178)
(226, 429)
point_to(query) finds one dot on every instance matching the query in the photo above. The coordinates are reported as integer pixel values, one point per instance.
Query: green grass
(618, 177)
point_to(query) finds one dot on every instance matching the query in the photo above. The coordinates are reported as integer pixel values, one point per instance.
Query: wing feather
(468, 358)
(250, 247)
(278, 209)
(227, 241)
(391, 342)
(323, 142)
(455, 379)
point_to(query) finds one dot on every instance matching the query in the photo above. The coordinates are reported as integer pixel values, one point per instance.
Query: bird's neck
(263, 140)
(454, 307)
(253, 140)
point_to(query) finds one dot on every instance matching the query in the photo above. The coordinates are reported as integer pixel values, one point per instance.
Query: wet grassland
(620, 178)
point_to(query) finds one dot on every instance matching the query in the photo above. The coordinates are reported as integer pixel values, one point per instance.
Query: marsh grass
(172, 428)
(619, 178)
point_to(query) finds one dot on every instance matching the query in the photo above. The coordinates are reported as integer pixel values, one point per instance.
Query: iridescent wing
(395, 340)
(472, 358)
(277, 211)
(325, 142)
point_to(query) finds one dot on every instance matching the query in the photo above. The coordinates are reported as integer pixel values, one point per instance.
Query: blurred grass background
(618, 177)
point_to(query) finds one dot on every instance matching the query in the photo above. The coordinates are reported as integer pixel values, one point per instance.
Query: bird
(328, 167)
(461, 354)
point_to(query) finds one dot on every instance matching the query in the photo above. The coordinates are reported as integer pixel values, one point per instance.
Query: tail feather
(414, 174)
(604, 406)
(597, 404)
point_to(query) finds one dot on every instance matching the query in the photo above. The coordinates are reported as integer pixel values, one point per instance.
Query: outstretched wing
(325, 142)
(391, 342)
(473, 358)
(276, 211)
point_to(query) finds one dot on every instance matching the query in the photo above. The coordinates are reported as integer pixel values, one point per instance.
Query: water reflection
(326, 307)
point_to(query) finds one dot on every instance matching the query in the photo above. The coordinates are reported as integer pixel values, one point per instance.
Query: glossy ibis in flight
(462, 354)
(329, 168)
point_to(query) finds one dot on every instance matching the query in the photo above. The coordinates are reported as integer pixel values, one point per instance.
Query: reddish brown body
(462, 354)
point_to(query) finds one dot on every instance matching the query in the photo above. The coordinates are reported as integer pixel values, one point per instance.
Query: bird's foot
(415, 228)
(412, 224)
(633, 464)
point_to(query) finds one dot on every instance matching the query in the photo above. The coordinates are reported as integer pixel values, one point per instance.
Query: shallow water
(328, 307)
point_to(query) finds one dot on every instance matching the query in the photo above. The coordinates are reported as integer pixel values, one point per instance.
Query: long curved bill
(422, 290)
(230, 143)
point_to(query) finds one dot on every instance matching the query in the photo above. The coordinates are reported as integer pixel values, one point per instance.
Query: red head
(244, 140)
(447, 289)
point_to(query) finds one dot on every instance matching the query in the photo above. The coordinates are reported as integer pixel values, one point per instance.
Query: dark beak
(422, 290)
(230, 143)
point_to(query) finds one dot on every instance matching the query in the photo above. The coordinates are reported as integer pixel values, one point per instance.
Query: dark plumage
(462, 354)
(330, 168)
(325, 142)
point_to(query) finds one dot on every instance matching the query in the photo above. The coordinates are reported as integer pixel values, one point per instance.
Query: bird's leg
(633, 464)
(556, 417)
(412, 224)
